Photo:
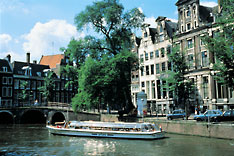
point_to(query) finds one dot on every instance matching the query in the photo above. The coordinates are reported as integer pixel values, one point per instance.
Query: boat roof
(108, 124)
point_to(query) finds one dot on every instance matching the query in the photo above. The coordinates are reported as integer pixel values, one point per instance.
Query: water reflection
(35, 140)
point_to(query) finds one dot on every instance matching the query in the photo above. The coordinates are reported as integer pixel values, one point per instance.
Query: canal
(35, 140)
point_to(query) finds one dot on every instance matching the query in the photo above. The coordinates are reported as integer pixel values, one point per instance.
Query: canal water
(24, 140)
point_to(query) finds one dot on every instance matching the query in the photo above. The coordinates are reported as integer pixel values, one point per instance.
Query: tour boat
(107, 129)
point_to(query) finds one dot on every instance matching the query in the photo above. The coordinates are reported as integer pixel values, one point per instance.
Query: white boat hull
(105, 134)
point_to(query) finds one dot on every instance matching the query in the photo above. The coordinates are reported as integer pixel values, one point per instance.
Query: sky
(42, 27)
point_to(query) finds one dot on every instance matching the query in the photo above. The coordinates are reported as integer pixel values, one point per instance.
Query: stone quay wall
(204, 129)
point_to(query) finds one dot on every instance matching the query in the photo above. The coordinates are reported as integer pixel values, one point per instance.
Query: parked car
(208, 115)
(176, 114)
(226, 116)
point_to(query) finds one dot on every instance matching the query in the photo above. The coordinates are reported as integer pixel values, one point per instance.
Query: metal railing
(35, 105)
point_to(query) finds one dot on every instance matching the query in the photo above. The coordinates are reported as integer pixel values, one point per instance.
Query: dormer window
(161, 38)
(27, 71)
(194, 11)
(4, 69)
(39, 74)
(161, 29)
(46, 71)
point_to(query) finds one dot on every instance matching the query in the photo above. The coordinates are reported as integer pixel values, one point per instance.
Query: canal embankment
(192, 127)
(184, 127)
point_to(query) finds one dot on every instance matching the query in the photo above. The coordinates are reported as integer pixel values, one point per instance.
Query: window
(141, 58)
(4, 91)
(4, 69)
(190, 43)
(27, 71)
(205, 61)
(153, 90)
(9, 91)
(62, 85)
(170, 66)
(221, 90)
(152, 69)
(146, 56)
(161, 38)
(190, 60)
(158, 89)
(161, 28)
(151, 55)
(157, 69)
(168, 49)
(142, 71)
(194, 11)
(33, 85)
(16, 84)
(163, 66)
(22, 82)
(10, 80)
(147, 70)
(39, 74)
(147, 89)
(57, 85)
(188, 13)
(157, 54)
(188, 26)
(4, 80)
(142, 84)
(162, 52)
(202, 42)
(38, 84)
(205, 87)
(28, 85)
(164, 90)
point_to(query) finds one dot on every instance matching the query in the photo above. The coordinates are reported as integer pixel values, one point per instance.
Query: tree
(24, 94)
(222, 42)
(98, 82)
(114, 39)
(176, 80)
(48, 86)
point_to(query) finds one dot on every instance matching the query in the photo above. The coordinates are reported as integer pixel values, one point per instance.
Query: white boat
(107, 130)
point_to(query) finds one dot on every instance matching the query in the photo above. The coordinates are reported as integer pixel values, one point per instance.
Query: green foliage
(221, 44)
(23, 94)
(48, 87)
(108, 19)
(104, 82)
(175, 79)
(105, 76)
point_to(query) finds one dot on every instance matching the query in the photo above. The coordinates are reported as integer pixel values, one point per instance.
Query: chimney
(28, 57)
(9, 58)
(35, 61)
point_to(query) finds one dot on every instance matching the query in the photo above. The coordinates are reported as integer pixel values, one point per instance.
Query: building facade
(194, 22)
(21, 83)
(6, 83)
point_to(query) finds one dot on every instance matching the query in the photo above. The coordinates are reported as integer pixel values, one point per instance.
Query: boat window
(227, 113)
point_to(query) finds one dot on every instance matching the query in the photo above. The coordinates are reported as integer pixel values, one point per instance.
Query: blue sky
(41, 27)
